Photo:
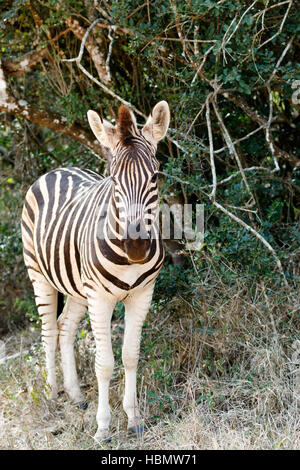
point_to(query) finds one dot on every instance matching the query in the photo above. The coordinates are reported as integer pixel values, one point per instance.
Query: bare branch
(281, 58)
(21, 108)
(100, 84)
(276, 5)
(111, 38)
(241, 139)
(202, 63)
(280, 28)
(174, 177)
(211, 152)
(268, 139)
(256, 117)
(238, 24)
(223, 209)
(204, 41)
(222, 47)
(109, 91)
(91, 46)
(252, 168)
(231, 146)
(23, 64)
(195, 119)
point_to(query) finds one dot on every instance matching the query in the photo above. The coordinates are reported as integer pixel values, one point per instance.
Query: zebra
(96, 241)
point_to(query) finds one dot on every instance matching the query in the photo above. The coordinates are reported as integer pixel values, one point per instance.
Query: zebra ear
(158, 122)
(104, 131)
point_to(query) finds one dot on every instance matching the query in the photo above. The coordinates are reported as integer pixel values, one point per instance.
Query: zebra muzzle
(137, 242)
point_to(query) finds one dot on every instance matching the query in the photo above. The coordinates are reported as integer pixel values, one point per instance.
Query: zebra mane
(126, 125)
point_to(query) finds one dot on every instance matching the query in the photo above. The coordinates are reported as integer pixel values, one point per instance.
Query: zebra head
(134, 173)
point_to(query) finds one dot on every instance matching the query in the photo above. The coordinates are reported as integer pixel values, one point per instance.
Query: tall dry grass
(218, 371)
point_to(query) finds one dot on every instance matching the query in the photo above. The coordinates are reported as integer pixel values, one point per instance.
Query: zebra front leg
(136, 309)
(100, 315)
(73, 312)
(46, 301)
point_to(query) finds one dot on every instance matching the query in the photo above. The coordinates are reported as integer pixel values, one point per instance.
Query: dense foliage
(227, 66)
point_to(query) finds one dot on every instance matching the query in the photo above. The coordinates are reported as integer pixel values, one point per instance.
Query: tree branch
(21, 108)
(19, 66)
(212, 195)
(91, 46)
(100, 84)
(211, 152)
(257, 235)
(231, 147)
(269, 138)
(23, 64)
(256, 117)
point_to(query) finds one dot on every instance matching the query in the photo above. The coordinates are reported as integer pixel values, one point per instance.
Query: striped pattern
(68, 235)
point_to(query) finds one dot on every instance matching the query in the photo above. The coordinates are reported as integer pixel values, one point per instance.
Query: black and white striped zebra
(97, 242)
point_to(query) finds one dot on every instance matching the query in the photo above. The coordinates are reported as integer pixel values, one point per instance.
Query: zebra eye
(154, 178)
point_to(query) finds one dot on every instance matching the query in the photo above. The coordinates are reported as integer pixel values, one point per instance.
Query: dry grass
(223, 375)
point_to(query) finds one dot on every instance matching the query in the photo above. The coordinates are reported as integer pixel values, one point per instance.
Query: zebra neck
(109, 235)
(115, 229)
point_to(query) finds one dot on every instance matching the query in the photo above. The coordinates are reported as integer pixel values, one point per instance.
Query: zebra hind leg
(68, 321)
(46, 301)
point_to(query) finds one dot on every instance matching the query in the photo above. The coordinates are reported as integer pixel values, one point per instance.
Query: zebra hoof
(138, 430)
(102, 436)
(83, 406)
